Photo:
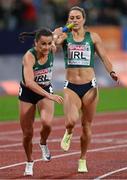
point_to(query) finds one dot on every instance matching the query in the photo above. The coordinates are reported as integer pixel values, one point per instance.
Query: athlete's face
(44, 44)
(77, 19)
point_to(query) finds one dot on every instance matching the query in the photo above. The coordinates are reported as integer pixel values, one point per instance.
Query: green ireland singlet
(42, 72)
(78, 54)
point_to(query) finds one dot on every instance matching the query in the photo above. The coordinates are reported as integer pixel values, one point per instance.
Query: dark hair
(37, 34)
(77, 8)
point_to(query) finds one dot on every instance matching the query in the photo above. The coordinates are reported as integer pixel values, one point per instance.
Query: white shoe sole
(28, 174)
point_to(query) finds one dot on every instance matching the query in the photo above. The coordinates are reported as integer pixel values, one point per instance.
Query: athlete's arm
(103, 56)
(28, 63)
(53, 47)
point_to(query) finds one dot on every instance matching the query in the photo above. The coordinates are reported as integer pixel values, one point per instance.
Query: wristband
(112, 72)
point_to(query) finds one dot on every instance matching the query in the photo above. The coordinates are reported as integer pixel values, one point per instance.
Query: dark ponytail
(23, 35)
(36, 34)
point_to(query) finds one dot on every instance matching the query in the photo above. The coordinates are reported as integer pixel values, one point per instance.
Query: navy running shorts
(81, 89)
(27, 95)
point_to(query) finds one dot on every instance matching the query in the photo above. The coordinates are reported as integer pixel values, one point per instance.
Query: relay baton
(66, 28)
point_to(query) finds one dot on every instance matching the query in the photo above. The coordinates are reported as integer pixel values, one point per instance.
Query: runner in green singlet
(80, 90)
(36, 90)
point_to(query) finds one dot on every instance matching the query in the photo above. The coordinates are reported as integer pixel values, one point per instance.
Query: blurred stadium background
(106, 17)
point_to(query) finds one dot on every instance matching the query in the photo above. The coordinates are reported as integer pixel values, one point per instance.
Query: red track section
(106, 157)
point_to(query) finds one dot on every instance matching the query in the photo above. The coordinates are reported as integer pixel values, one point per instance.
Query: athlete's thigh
(27, 114)
(46, 109)
(89, 103)
(72, 103)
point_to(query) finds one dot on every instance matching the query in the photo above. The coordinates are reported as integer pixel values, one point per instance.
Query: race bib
(43, 77)
(79, 54)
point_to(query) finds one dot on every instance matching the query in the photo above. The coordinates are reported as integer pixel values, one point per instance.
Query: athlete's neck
(43, 59)
(78, 35)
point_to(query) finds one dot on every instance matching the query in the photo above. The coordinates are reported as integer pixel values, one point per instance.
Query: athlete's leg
(88, 112)
(72, 104)
(46, 110)
(27, 113)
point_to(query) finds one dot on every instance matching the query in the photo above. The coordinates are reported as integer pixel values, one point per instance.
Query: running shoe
(82, 167)
(29, 169)
(46, 156)
(66, 141)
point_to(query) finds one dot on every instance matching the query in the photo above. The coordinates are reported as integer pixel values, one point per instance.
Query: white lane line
(36, 140)
(53, 157)
(68, 154)
(116, 121)
(123, 112)
(111, 133)
(111, 122)
(111, 113)
(55, 140)
(110, 173)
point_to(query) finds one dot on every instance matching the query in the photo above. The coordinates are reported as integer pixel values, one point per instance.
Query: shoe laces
(29, 166)
(68, 137)
(45, 150)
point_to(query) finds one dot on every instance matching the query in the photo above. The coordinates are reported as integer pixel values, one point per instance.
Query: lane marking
(110, 173)
(35, 140)
(94, 135)
(68, 154)
(116, 121)
(113, 113)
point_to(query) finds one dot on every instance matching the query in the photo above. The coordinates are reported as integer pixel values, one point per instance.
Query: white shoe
(29, 169)
(46, 156)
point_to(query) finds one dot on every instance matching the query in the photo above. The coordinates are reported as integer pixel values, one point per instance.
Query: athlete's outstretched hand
(114, 76)
(56, 98)
(58, 31)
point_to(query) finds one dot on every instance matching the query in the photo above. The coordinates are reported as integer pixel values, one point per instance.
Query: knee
(86, 135)
(71, 122)
(71, 118)
(47, 124)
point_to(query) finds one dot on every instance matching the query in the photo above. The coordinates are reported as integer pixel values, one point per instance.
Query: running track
(107, 154)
